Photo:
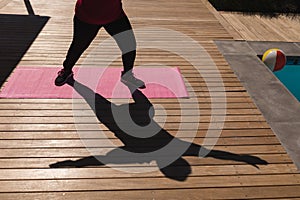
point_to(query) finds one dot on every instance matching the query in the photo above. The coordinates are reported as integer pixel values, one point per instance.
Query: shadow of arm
(84, 162)
(200, 151)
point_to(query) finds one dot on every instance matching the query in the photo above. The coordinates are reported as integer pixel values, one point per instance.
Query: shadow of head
(178, 170)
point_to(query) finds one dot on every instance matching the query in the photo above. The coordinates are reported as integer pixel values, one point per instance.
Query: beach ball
(275, 59)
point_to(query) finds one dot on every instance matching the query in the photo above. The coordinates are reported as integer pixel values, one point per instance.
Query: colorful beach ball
(275, 59)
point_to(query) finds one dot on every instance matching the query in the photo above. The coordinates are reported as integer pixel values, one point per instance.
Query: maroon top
(98, 11)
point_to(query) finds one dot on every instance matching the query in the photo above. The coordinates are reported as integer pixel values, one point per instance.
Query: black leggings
(84, 34)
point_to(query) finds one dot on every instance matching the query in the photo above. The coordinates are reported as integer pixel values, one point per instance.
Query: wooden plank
(263, 192)
(149, 183)
(158, 118)
(42, 163)
(71, 152)
(106, 172)
(77, 143)
(230, 29)
(153, 101)
(170, 106)
(11, 135)
(230, 114)
(93, 126)
(203, 105)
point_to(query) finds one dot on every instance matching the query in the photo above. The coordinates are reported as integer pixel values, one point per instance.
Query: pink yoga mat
(38, 82)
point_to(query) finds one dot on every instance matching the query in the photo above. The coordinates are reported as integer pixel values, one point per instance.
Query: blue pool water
(290, 77)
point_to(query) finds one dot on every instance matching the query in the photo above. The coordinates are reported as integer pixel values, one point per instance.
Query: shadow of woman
(144, 140)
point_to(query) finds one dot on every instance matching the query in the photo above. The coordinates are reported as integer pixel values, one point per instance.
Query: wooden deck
(36, 133)
(259, 28)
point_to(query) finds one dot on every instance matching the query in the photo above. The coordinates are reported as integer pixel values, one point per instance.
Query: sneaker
(129, 79)
(63, 77)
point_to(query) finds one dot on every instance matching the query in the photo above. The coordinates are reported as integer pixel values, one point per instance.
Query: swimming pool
(290, 77)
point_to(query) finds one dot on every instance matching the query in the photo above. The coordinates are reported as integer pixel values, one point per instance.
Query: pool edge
(267, 92)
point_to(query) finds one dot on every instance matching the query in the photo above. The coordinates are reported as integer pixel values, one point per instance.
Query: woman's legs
(83, 35)
(122, 32)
